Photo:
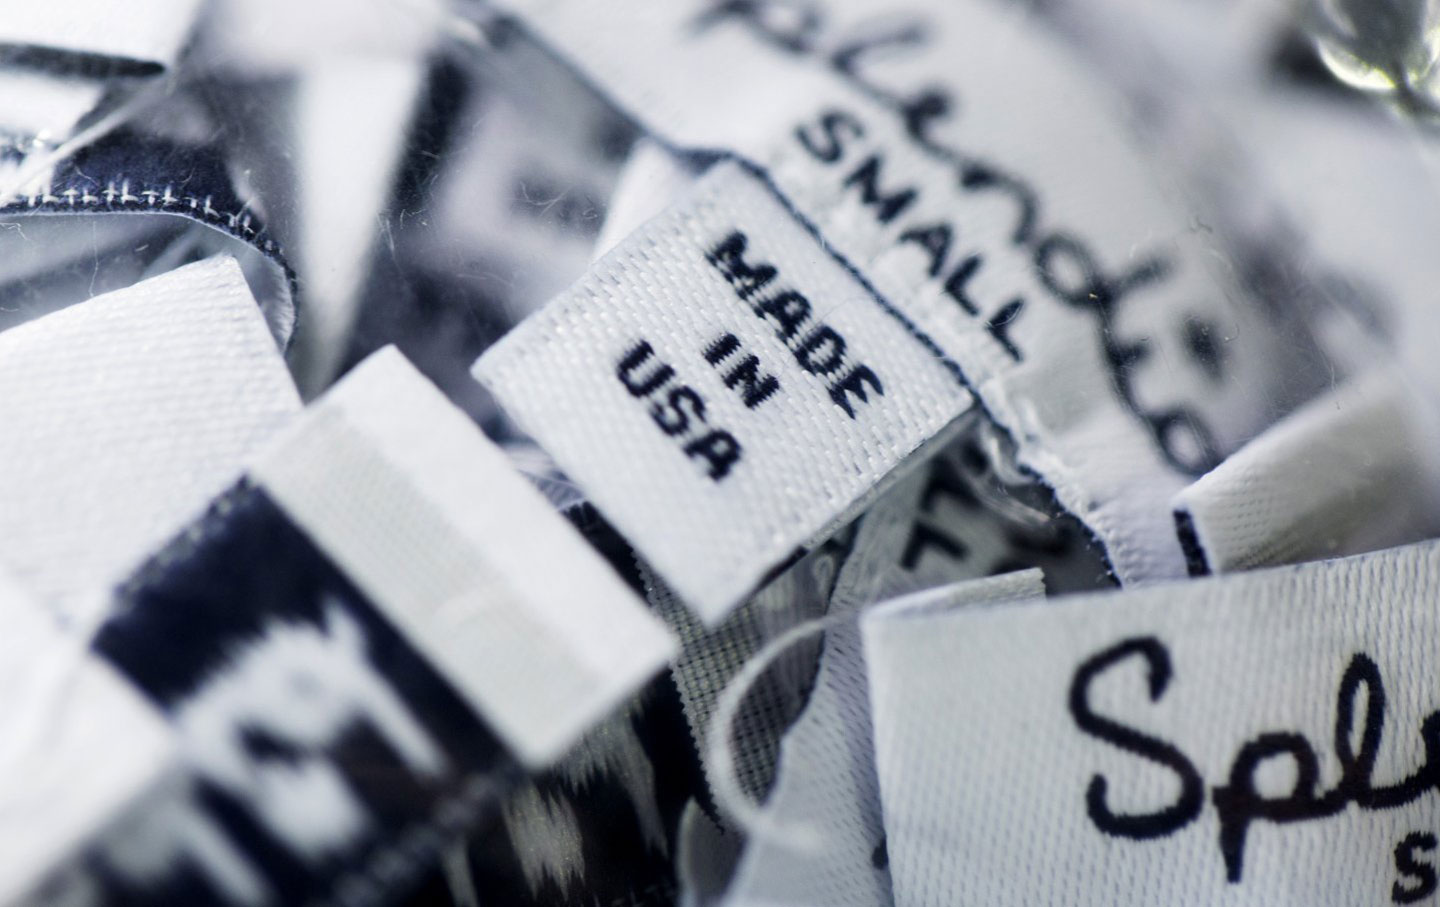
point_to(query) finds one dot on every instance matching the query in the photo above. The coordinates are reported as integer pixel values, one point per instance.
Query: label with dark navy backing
(356, 662)
(325, 758)
(725, 389)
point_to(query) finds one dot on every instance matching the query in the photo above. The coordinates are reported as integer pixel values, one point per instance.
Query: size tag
(724, 389)
(1011, 220)
(62, 707)
(1264, 738)
(175, 379)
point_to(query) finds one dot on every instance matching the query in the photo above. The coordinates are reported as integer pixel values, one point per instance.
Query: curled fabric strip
(730, 797)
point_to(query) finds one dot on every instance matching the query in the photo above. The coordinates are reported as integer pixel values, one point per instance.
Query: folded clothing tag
(468, 560)
(63, 708)
(825, 782)
(124, 416)
(1262, 738)
(523, 195)
(1353, 470)
(725, 391)
(1013, 221)
(339, 196)
(136, 40)
(361, 647)
(970, 512)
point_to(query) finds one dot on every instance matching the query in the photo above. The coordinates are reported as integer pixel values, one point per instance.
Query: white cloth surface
(124, 415)
(1079, 751)
(1354, 470)
(427, 516)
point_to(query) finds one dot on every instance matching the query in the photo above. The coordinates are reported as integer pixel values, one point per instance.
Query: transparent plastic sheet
(429, 174)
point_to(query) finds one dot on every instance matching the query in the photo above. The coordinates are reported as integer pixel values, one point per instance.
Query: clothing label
(1009, 219)
(826, 780)
(63, 706)
(966, 513)
(724, 389)
(711, 657)
(1353, 470)
(125, 415)
(59, 63)
(191, 210)
(132, 35)
(362, 648)
(969, 512)
(341, 196)
(1262, 738)
(325, 760)
(524, 195)
(469, 561)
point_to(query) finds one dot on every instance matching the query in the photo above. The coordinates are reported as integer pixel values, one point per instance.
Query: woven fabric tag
(1012, 220)
(362, 647)
(176, 380)
(1354, 470)
(724, 389)
(63, 706)
(1262, 738)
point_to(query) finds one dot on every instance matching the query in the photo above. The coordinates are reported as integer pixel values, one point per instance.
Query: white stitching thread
(238, 223)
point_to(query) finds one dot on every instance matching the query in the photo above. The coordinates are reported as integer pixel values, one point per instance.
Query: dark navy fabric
(243, 598)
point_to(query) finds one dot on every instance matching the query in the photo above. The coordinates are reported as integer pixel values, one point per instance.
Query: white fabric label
(124, 416)
(469, 561)
(38, 105)
(1262, 738)
(77, 744)
(1011, 219)
(826, 778)
(1353, 470)
(340, 106)
(723, 389)
(653, 177)
(149, 32)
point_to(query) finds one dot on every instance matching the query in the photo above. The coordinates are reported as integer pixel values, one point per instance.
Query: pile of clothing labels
(719, 452)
